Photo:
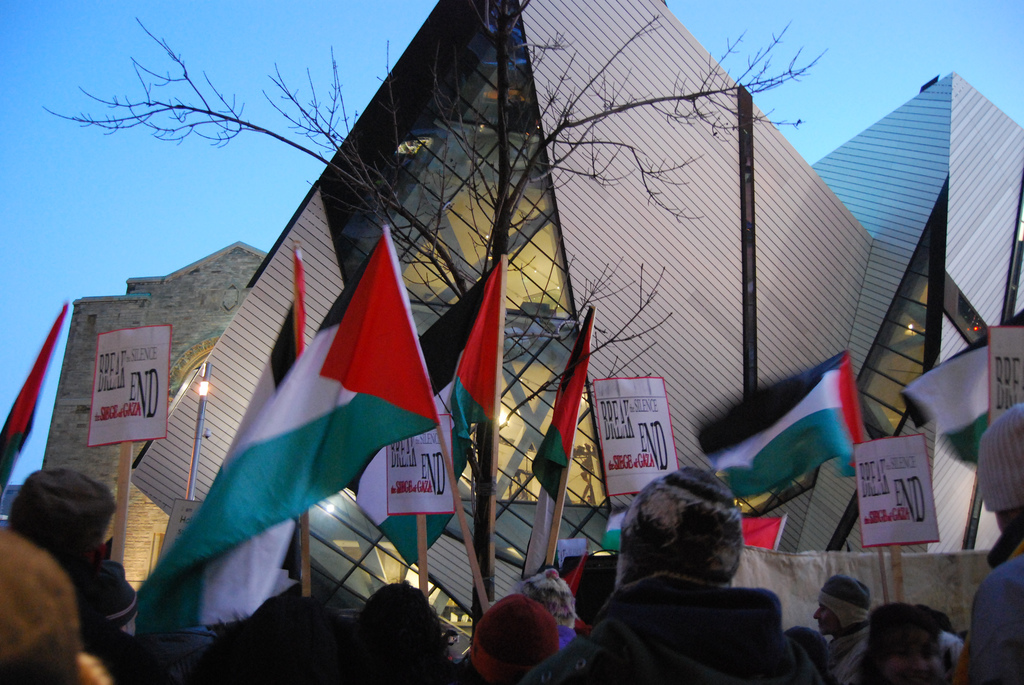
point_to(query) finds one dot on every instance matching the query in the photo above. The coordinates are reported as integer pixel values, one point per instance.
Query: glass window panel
(883, 418)
(335, 532)
(915, 288)
(357, 589)
(328, 560)
(881, 388)
(896, 366)
(517, 525)
(584, 484)
(536, 283)
(349, 513)
(906, 341)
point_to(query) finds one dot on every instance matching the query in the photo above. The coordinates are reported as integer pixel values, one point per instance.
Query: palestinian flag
(473, 396)
(786, 430)
(955, 395)
(348, 395)
(556, 449)
(442, 346)
(19, 421)
(763, 531)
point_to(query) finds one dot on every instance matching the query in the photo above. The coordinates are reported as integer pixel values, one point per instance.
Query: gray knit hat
(553, 593)
(684, 524)
(848, 598)
(63, 511)
(1001, 462)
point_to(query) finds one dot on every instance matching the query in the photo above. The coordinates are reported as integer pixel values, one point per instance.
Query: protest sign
(417, 477)
(1005, 369)
(635, 430)
(181, 515)
(894, 491)
(129, 391)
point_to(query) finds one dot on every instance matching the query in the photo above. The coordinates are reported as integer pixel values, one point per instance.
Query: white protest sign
(130, 383)
(417, 477)
(570, 547)
(181, 514)
(894, 491)
(635, 429)
(1005, 369)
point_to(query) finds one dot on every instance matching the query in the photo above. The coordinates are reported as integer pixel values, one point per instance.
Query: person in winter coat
(843, 604)
(672, 617)
(995, 650)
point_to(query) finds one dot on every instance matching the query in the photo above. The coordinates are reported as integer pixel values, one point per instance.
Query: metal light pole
(193, 470)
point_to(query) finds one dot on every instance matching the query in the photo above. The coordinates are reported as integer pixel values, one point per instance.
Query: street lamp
(193, 470)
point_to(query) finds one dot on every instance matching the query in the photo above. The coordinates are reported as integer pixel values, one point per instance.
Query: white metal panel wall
(238, 359)
(811, 260)
(890, 176)
(811, 250)
(986, 160)
(698, 349)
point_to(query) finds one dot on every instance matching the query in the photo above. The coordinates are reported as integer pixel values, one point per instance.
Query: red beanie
(513, 636)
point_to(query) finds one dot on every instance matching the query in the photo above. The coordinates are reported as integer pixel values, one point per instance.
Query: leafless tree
(175, 105)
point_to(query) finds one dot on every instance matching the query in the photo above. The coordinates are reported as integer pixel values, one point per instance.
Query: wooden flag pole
(467, 538)
(881, 568)
(124, 479)
(499, 383)
(897, 571)
(556, 518)
(299, 332)
(304, 568)
(421, 553)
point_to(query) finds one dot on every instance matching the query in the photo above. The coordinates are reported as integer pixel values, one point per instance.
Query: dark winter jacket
(662, 630)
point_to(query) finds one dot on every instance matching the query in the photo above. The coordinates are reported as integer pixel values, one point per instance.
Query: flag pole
(299, 322)
(124, 479)
(421, 553)
(467, 537)
(881, 569)
(896, 552)
(556, 517)
(499, 382)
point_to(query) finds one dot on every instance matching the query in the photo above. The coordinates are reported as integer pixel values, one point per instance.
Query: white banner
(417, 477)
(1005, 369)
(894, 491)
(635, 429)
(130, 385)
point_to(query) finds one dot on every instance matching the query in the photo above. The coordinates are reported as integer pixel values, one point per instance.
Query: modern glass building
(895, 246)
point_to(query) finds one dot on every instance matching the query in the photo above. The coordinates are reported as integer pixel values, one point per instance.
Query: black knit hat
(684, 524)
(63, 511)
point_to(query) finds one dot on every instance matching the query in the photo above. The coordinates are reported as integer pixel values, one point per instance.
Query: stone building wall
(199, 302)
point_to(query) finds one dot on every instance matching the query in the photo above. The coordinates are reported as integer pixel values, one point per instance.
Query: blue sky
(82, 212)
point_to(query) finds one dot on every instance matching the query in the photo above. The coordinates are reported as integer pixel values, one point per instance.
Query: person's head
(814, 644)
(39, 633)
(512, 637)
(399, 626)
(552, 593)
(684, 525)
(903, 647)
(843, 602)
(288, 639)
(1001, 466)
(63, 511)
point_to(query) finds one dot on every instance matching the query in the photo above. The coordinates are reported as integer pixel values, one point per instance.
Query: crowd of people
(66, 611)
